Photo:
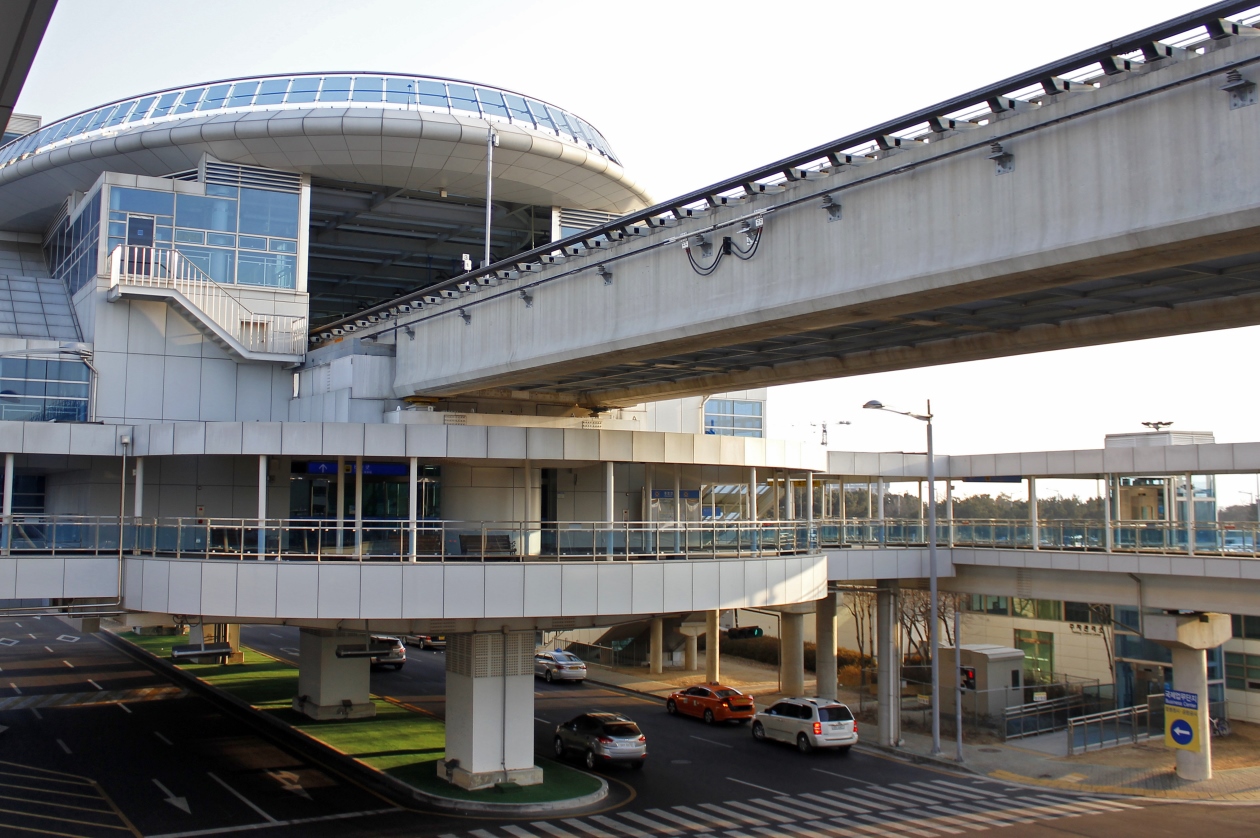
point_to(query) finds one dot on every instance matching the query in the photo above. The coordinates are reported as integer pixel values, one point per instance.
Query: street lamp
(933, 628)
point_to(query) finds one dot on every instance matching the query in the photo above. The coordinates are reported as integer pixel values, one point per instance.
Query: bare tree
(947, 605)
(861, 604)
(1101, 615)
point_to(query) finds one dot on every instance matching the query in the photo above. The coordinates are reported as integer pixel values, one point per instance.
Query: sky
(693, 93)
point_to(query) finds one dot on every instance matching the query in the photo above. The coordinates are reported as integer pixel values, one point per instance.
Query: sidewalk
(1145, 770)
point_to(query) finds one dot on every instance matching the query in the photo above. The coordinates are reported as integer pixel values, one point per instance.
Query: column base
(472, 781)
(325, 712)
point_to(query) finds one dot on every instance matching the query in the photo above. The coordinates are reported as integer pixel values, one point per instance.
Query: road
(98, 744)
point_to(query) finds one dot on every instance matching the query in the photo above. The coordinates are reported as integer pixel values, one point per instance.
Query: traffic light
(968, 676)
(744, 632)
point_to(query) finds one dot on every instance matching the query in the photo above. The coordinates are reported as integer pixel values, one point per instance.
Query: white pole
(341, 502)
(358, 507)
(958, 697)
(413, 502)
(262, 505)
(609, 504)
(1033, 517)
(1190, 510)
(491, 140)
(8, 500)
(139, 491)
(934, 640)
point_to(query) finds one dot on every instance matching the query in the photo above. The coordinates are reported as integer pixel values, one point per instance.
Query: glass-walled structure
(41, 390)
(734, 417)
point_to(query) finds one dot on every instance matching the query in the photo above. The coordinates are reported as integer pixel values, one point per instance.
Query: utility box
(993, 676)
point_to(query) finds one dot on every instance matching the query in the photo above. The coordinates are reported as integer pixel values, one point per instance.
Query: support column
(691, 653)
(949, 509)
(610, 510)
(262, 504)
(1186, 710)
(413, 504)
(138, 503)
(879, 510)
(330, 687)
(825, 653)
(1190, 514)
(810, 539)
(341, 503)
(888, 659)
(358, 507)
(791, 496)
(678, 514)
(527, 537)
(755, 535)
(490, 710)
(1107, 534)
(712, 648)
(8, 502)
(1034, 519)
(792, 653)
(656, 646)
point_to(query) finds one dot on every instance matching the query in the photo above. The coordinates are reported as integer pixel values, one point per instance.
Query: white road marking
(650, 824)
(836, 802)
(124, 708)
(828, 809)
(791, 810)
(249, 827)
(899, 825)
(774, 816)
(713, 807)
(844, 776)
(178, 802)
(49, 648)
(678, 819)
(67, 663)
(289, 650)
(711, 742)
(706, 817)
(481, 833)
(1105, 805)
(16, 688)
(163, 738)
(874, 801)
(37, 714)
(242, 798)
(273, 634)
(593, 831)
(552, 829)
(31, 636)
(754, 785)
(620, 827)
(931, 795)
(93, 683)
(980, 820)
(64, 747)
(544, 721)
(19, 625)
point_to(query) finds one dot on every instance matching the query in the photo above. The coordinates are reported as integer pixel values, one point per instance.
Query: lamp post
(933, 628)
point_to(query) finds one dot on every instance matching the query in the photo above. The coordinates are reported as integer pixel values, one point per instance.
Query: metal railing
(148, 267)
(1122, 726)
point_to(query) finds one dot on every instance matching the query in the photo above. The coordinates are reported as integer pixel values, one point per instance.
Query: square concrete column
(712, 648)
(825, 654)
(1189, 636)
(888, 658)
(656, 646)
(691, 653)
(330, 687)
(792, 653)
(229, 633)
(490, 710)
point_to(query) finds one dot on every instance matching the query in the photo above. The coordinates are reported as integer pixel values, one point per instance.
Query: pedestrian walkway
(921, 810)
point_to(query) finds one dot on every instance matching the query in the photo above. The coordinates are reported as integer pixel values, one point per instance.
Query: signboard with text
(1182, 721)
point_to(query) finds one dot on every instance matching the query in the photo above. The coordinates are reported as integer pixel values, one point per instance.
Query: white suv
(808, 723)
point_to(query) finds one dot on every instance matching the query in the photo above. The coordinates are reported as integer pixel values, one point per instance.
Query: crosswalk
(929, 809)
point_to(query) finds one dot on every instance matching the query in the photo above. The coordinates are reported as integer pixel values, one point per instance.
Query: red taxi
(713, 703)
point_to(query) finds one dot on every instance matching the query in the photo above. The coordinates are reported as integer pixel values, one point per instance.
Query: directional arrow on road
(289, 782)
(177, 802)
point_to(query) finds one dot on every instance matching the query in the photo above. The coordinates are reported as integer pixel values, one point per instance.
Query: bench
(487, 545)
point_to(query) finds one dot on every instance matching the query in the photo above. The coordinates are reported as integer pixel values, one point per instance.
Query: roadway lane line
(867, 797)
(64, 747)
(844, 776)
(755, 786)
(704, 816)
(273, 634)
(790, 810)
(37, 713)
(649, 823)
(711, 742)
(922, 815)
(544, 721)
(829, 810)
(902, 826)
(678, 819)
(481, 833)
(16, 688)
(250, 827)
(67, 663)
(876, 828)
(32, 637)
(93, 683)
(593, 831)
(926, 794)
(761, 813)
(552, 829)
(978, 826)
(846, 807)
(124, 708)
(242, 798)
(727, 813)
(1103, 804)
(163, 738)
(50, 651)
(620, 827)
(512, 829)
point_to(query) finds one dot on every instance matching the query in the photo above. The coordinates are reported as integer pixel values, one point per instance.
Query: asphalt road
(98, 744)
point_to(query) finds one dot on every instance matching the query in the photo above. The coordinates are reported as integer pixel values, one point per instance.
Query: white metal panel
(183, 587)
(253, 392)
(616, 445)
(731, 582)
(792, 570)
(301, 439)
(343, 439)
(704, 585)
(466, 441)
(381, 592)
(133, 584)
(616, 588)
(505, 590)
(422, 589)
(98, 440)
(8, 578)
(181, 389)
(256, 584)
(260, 438)
(679, 588)
(542, 589)
(648, 589)
(146, 327)
(223, 437)
(156, 586)
(218, 588)
(144, 387)
(755, 584)
(190, 438)
(579, 589)
(545, 443)
(42, 578)
(218, 389)
(776, 587)
(580, 444)
(426, 440)
(339, 590)
(297, 590)
(464, 592)
(46, 438)
(505, 443)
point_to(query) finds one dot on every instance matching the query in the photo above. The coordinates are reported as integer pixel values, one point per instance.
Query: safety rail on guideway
(375, 540)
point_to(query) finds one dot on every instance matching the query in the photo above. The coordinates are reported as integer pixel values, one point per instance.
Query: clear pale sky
(690, 93)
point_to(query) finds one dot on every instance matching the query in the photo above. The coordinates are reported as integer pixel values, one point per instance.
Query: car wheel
(671, 708)
(759, 732)
(803, 744)
(590, 760)
(708, 716)
(558, 745)
(547, 677)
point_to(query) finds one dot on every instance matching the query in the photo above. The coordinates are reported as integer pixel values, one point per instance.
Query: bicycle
(1220, 727)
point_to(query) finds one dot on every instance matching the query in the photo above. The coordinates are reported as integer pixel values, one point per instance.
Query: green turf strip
(400, 742)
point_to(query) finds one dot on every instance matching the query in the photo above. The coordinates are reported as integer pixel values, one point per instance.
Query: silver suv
(395, 657)
(602, 738)
(808, 723)
(559, 666)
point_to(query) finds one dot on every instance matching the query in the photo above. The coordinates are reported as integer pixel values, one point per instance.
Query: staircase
(147, 273)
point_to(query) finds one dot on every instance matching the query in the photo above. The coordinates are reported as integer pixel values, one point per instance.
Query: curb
(1155, 794)
(394, 790)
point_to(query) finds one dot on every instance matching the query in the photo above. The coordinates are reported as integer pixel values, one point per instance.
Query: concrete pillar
(792, 653)
(656, 646)
(358, 507)
(1190, 513)
(8, 502)
(341, 502)
(691, 653)
(678, 508)
(138, 503)
(888, 658)
(811, 539)
(879, 511)
(1186, 710)
(1190, 676)
(610, 502)
(825, 655)
(262, 505)
(413, 504)
(330, 687)
(1034, 519)
(712, 644)
(949, 509)
(791, 496)
(490, 710)
(752, 494)
(1107, 533)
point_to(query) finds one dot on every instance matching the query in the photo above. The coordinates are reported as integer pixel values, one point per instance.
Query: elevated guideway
(1105, 197)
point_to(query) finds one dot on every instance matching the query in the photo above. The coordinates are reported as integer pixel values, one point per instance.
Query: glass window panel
(36, 368)
(271, 92)
(1049, 609)
(97, 118)
(432, 93)
(189, 236)
(142, 109)
(266, 213)
(215, 97)
(164, 104)
(220, 190)
(1237, 624)
(252, 243)
(141, 200)
(1076, 612)
(303, 90)
(463, 98)
(1251, 627)
(221, 239)
(492, 101)
(73, 371)
(120, 113)
(161, 234)
(217, 264)
(1023, 608)
(747, 408)
(518, 108)
(283, 246)
(400, 91)
(13, 367)
(206, 213)
(367, 88)
(542, 117)
(335, 89)
(117, 228)
(267, 269)
(562, 124)
(189, 100)
(242, 94)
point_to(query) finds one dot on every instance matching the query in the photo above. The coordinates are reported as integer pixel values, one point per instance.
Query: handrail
(1134, 716)
(148, 267)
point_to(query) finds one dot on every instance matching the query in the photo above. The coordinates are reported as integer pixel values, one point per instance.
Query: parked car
(808, 723)
(713, 703)
(427, 641)
(602, 738)
(395, 657)
(559, 665)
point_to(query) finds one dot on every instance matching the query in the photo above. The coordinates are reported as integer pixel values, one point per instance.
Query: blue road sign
(1181, 732)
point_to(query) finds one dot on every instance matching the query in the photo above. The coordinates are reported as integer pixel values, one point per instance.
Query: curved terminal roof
(402, 131)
